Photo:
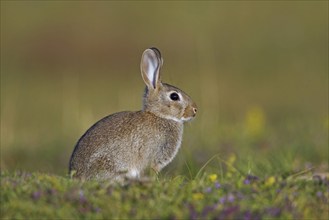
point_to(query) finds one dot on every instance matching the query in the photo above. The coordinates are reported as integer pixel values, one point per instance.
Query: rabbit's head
(162, 99)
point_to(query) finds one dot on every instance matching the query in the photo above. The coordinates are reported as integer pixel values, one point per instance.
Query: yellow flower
(213, 177)
(197, 196)
(255, 121)
(231, 159)
(270, 181)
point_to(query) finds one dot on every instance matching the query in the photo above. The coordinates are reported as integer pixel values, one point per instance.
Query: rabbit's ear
(150, 67)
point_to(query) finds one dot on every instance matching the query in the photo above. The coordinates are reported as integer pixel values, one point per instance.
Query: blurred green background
(258, 71)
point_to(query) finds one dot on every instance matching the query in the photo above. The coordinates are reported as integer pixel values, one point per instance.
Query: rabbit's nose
(195, 110)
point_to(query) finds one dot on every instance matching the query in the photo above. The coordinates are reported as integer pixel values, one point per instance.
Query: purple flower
(274, 211)
(229, 211)
(222, 200)
(246, 181)
(97, 209)
(217, 185)
(208, 190)
(206, 210)
(82, 197)
(192, 212)
(231, 198)
(36, 195)
(247, 215)
(250, 179)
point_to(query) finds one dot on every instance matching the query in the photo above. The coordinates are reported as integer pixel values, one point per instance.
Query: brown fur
(124, 144)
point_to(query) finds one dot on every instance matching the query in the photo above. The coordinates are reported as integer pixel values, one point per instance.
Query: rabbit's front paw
(157, 166)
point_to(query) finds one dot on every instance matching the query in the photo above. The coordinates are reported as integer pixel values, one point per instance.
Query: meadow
(258, 71)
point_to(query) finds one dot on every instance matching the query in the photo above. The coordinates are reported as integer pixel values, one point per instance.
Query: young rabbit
(124, 144)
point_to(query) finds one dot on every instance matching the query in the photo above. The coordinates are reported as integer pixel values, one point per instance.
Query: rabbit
(123, 145)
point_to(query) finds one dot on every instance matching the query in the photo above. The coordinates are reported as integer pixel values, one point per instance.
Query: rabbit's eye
(174, 96)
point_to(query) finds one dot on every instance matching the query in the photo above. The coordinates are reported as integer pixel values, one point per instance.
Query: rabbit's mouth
(189, 113)
(180, 120)
(187, 119)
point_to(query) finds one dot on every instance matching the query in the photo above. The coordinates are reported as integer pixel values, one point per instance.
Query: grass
(228, 195)
(253, 170)
(257, 170)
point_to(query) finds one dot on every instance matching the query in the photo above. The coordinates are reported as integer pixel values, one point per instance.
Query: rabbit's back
(123, 143)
